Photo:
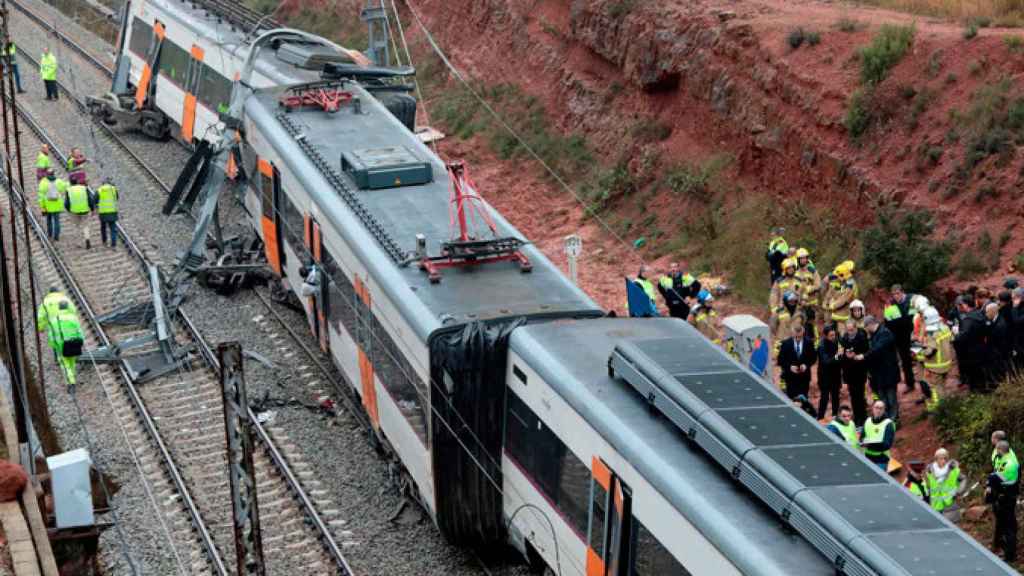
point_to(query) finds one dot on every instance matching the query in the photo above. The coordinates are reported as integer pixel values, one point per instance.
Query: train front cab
(607, 520)
(351, 317)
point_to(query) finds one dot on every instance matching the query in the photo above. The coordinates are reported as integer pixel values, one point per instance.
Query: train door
(192, 77)
(365, 344)
(270, 218)
(147, 82)
(318, 302)
(610, 534)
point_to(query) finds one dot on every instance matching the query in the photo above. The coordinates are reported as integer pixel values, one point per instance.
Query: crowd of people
(824, 333)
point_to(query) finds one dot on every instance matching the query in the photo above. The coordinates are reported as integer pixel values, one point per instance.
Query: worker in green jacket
(945, 483)
(64, 334)
(43, 164)
(51, 195)
(106, 206)
(80, 203)
(1002, 491)
(12, 51)
(48, 72)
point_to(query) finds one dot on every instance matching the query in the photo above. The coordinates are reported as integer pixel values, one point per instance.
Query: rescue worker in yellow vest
(58, 317)
(677, 288)
(841, 293)
(788, 282)
(843, 426)
(879, 436)
(642, 281)
(778, 250)
(936, 357)
(945, 483)
(51, 195)
(785, 317)
(80, 202)
(810, 281)
(48, 72)
(704, 318)
(915, 483)
(106, 207)
(1002, 491)
(76, 167)
(43, 164)
(11, 51)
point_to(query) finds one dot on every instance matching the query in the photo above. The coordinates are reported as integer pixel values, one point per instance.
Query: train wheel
(154, 125)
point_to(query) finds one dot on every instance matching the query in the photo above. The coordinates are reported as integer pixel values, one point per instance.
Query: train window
(267, 195)
(650, 556)
(599, 502)
(292, 223)
(142, 34)
(519, 373)
(214, 90)
(562, 477)
(174, 62)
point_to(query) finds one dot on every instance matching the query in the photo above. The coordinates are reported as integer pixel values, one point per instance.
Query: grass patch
(887, 48)
(899, 249)
(980, 258)
(1014, 44)
(971, 31)
(992, 124)
(846, 24)
(606, 186)
(859, 116)
(621, 8)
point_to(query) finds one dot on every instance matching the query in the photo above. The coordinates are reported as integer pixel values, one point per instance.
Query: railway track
(183, 419)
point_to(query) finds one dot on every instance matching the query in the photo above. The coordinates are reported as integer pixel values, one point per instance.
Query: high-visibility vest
(943, 493)
(915, 489)
(106, 202)
(56, 205)
(874, 434)
(778, 244)
(78, 199)
(42, 161)
(1007, 467)
(810, 284)
(848, 431)
(67, 327)
(892, 312)
(648, 287)
(12, 50)
(703, 321)
(942, 360)
(49, 307)
(842, 314)
(48, 67)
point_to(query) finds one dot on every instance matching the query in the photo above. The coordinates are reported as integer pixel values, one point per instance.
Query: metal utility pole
(376, 19)
(15, 337)
(241, 472)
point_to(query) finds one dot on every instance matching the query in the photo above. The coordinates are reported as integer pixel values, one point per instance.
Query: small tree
(900, 250)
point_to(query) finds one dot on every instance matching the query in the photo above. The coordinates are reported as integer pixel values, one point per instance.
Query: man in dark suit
(883, 364)
(796, 356)
(854, 342)
(971, 344)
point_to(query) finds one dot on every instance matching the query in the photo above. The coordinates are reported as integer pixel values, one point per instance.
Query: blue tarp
(640, 304)
(759, 357)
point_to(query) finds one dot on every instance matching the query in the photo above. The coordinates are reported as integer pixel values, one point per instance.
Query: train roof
(381, 225)
(876, 517)
(572, 357)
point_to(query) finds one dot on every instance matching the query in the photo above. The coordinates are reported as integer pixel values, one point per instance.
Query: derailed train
(519, 413)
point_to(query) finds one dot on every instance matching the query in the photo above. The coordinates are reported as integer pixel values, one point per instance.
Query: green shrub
(796, 38)
(1014, 43)
(621, 8)
(849, 25)
(971, 31)
(859, 116)
(699, 181)
(900, 251)
(813, 38)
(965, 421)
(887, 48)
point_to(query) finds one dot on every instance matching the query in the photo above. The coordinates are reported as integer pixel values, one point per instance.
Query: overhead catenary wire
(588, 209)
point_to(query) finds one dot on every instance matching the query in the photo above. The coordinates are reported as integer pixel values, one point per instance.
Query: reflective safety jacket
(78, 199)
(706, 322)
(49, 308)
(106, 202)
(1007, 467)
(810, 282)
(12, 50)
(943, 492)
(875, 434)
(48, 67)
(42, 161)
(47, 205)
(65, 327)
(839, 299)
(848, 432)
(937, 354)
(781, 286)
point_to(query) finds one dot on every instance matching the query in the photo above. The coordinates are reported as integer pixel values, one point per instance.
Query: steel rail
(205, 537)
(38, 19)
(275, 455)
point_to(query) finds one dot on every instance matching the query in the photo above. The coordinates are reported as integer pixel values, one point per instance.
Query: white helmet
(920, 303)
(857, 304)
(932, 319)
